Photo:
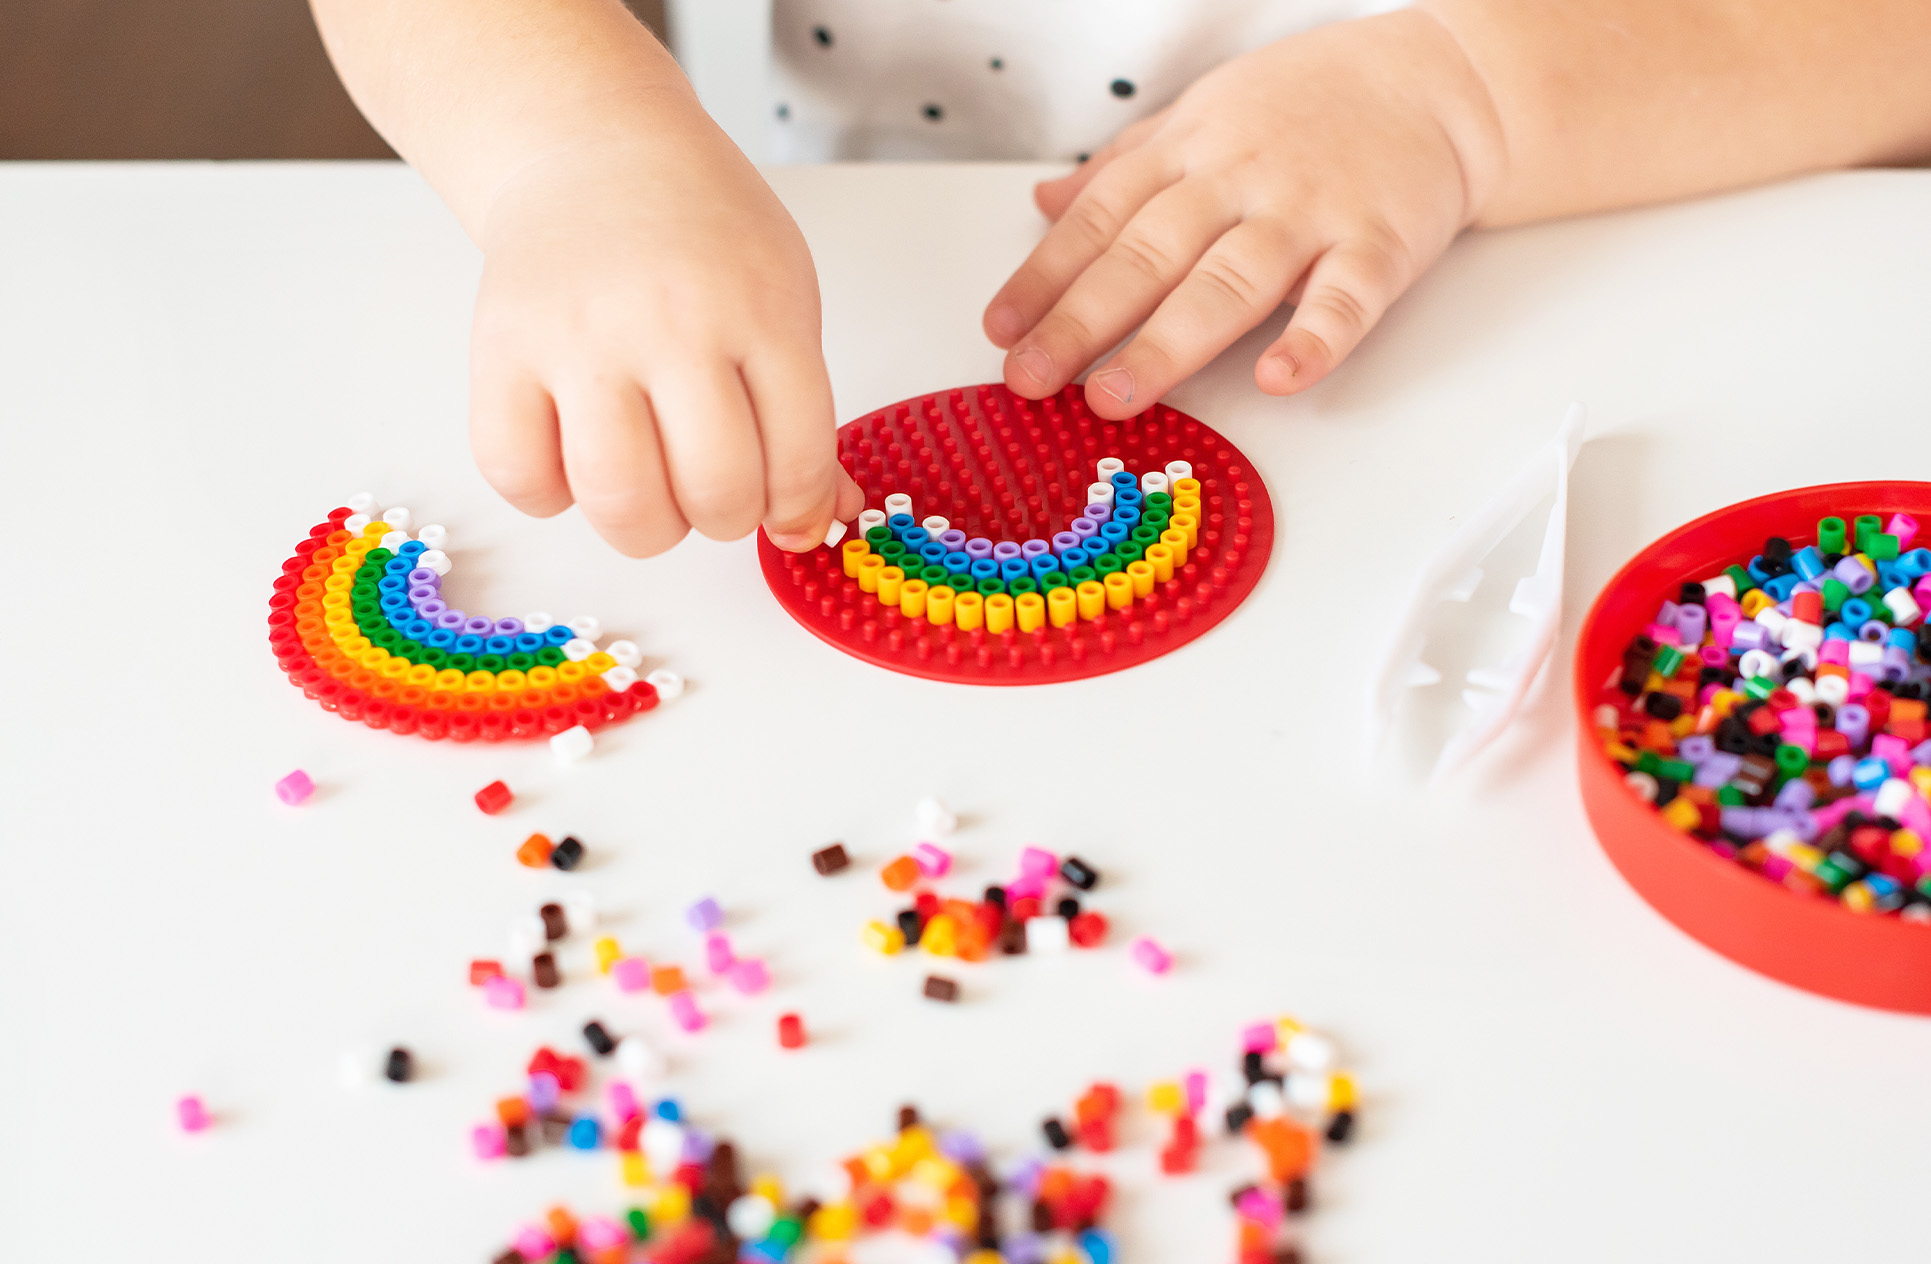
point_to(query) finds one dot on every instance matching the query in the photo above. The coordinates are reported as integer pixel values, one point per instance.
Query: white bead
(935, 819)
(580, 909)
(1307, 1090)
(1152, 481)
(433, 536)
(1805, 654)
(1833, 691)
(663, 1144)
(354, 524)
(575, 742)
(834, 533)
(359, 1067)
(620, 678)
(1781, 841)
(1720, 584)
(1903, 606)
(587, 626)
(397, 516)
(1866, 656)
(666, 682)
(435, 559)
(576, 649)
(362, 503)
(527, 937)
(1892, 798)
(1048, 933)
(538, 621)
(395, 540)
(932, 1252)
(1798, 635)
(869, 519)
(1109, 466)
(1267, 1100)
(936, 524)
(750, 1216)
(1307, 1051)
(1099, 494)
(1758, 663)
(639, 1059)
(1607, 717)
(1802, 690)
(1177, 470)
(1772, 620)
(896, 504)
(1916, 913)
(625, 652)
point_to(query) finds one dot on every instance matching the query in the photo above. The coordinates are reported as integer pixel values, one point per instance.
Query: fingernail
(1115, 382)
(1035, 364)
(1004, 323)
(1288, 363)
(792, 542)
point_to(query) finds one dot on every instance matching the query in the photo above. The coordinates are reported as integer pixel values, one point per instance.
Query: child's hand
(646, 344)
(1332, 167)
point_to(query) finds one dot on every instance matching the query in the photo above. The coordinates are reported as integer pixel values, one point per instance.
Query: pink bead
(192, 1114)
(1894, 751)
(600, 1232)
(1777, 868)
(934, 861)
(1916, 817)
(718, 954)
(1923, 592)
(1905, 528)
(683, 1008)
(294, 788)
(1714, 655)
(1257, 1206)
(489, 1141)
(1861, 686)
(1665, 634)
(1037, 862)
(1801, 736)
(750, 976)
(623, 1102)
(630, 974)
(1026, 889)
(1260, 1038)
(534, 1243)
(1837, 653)
(1195, 1084)
(1152, 957)
(502, 992)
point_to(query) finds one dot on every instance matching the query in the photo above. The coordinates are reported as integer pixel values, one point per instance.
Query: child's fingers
(513, 435)
(1070, 246)
(610, 448)
(1348, 290)
(804, 486)
(711, 447)
(1152, 255)
(1054, 196)
(1233, 288)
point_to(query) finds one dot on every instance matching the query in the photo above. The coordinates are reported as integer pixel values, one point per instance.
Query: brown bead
(1042, 1218)
(830, 860)
(908, 1117)
(1297, 1198)
(940, 989)
(807, 1209)
(554, 1129)
(1012, 939)
(1287, 1255)
(516, 1141)
(544, 967)
(724, 1161)
(555, 925)
(511, 1256)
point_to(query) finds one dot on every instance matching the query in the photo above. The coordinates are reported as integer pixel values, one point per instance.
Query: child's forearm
(1606, 103)
(472, 91)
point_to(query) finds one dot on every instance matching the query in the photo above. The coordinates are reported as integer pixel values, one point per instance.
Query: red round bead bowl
(1810, 943)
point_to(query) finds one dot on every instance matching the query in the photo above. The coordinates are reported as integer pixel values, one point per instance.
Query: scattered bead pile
(1293, 1098)
(1776, 711)
(358, 622)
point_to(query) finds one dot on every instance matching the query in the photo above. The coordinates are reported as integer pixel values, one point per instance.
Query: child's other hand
(646, 344)
(1331, 168)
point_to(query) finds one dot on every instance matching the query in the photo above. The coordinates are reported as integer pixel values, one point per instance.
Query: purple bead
(1801, 823)
(508, 627)
(432, 609)
(1839, 770)
(1852, 575)
(698, 1146)
(954, 540)
(451, 619)
(479, 626)
(1063, 541)
(1854, 722)
(1696, 749)
(1896, 665)
(1796, 794)
(1098, 512)
(705, 915)
(423, 575)
(1666, 614)
(1023, 1248)
(425, 592)
(1036, 548)
(961, 1147)
(1007, 551)
(544, 1092)
(1085, 528)
(978, 548)
(1750, 635)
(1718, 769)
(1921, 754)
(1691, 622)
(1743, 822)
(1024, 1178)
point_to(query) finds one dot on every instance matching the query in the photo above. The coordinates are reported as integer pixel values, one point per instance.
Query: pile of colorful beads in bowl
(1775, 710)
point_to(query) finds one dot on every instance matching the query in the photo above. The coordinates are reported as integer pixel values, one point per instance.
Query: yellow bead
(890, 580)
(480, 682)
(854, 552)
(1906, 843)
(1188, 486)
(938, 604)
(1804, 856)
(1141, 573)
(936, 1173)
(969, 611)
(869, 567)
(1683, 725)
(1683, 814)
(1187, 525)
(570, 673)
(987, 1256)
(422, 676)
(1341, 1094)
(635, 1170)
(1166, 1098)
(1091, 596)
(672, 1205)
(599, 663)
(963, 1212)
(373, 657)
(1160, 557)
(395, 668)
(340, 582)
(1921, 778)
(911, 599)
(940, 937)
(878, 1163)
(357, 547)
(449, 680)
(541, 677)
(345, 565)
(607, 950)
(999, 613)
(834, 1222)
(913, 1146)
(1287, 1026)
(882, 938)
(1754, 601)
(1066, 1255)
(1030, 610)
(770, 1189)
(1062, 607)
(1856, 897)
(1175, 541)
(509, 681)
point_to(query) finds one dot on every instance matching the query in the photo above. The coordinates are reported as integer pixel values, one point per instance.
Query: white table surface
(197, 361)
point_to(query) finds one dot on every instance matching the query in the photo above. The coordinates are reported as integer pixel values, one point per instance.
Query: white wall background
(725, 48)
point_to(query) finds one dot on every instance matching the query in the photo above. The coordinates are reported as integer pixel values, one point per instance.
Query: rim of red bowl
(1809, 943)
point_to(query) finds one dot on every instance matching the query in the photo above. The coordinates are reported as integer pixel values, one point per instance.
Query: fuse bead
(502, 992)
(295, 788)
(608, 952)
(939, 988)
(668, 980)
(192, 1114)
(933, 861)
(482, 971)
(718, 955)
(1088, 930)
(598, 1037)
(791, 1031)
(535, 851)
(543, 971)
(494, 798)
(684, 1011)
(555, 925)
(884, 939)
(750, 976)
(901, 874)
(631, 974)
(1150, 956)
(566, 855)
(399, 1067)
(829, 860)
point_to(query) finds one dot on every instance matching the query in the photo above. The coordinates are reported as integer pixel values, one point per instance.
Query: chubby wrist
(1460, 99)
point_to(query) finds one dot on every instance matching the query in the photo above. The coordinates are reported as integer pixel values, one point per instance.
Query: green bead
(1158, 521)
(1835, 595)
(958, 582)
(877, 536)
(1866, 526)
(933, 575)
(1760, 687)
(1741, 578)
(640, 1224)
(1083, 575)
(988, 586)
(1833, 877)
(892, 551)
(1156, 501)
(1024, 584)
(1144, 536)
(1054, 579)
(1730, 797)
(489, 662)
(1108, 565)
(434, 657)
(387, 638)
(549, 656)
(1649, 762)
(1882, 547)
(1791, 760)
(1668, 659)
(785, 1231)
(521, 662)
(1131, 551)
(1830, 535)
(464, 663)
(566, 1255)
(1924, 885)
(1675, 769)
(378, 557)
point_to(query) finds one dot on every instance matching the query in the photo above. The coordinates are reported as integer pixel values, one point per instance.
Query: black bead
(1733, 735)
(933, 113)
(400, 1067)
(1691, 594)
(1123, 88)
(822, 35)
(1776, 548)
(1667, 788)
(1253, 1066)
(1083, 158)
(1710, 676)
(911, 925)
(1341, 1127)
(1079, 873)
(599, 1038)
(1056, 1134)
(568, 854)
(1766, 743)
(1239, 1115)
(996, 896)
(1826, 714)
(1068, 908)
(1664, 706)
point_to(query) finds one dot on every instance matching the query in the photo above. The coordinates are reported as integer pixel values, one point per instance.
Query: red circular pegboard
(1009, 468)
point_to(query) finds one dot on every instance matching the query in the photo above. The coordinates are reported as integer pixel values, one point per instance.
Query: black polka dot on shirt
(1123, 88)
(822, 35)
(933, 113)
(998, 63)
(784, 111)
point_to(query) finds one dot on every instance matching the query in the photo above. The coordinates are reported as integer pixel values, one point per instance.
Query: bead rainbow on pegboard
(358, 622)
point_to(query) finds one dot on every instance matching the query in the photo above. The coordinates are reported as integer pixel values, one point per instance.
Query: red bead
(1089, 930)
(791, 1031)
(494, 797)
(481, 972)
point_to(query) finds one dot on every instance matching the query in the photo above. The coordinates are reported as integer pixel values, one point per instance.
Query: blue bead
(1125, 481)
(1782, 586)
(393, 584)
(1855, 612)
(1916, 563)
(584, 1133)
(1904, 638)
(1870, 773)
(1807, 562)
(1756, 570)
(900, 524)
(957, 563)
(418, 630)
(1070, 559)
(1097, 1246)
(668, 1110)
(1014, 568)
(1044, 564)
(985, 568)
(469, 645)
(500, 645)
(398, 566)
(1889, 577)
(915, 538)
(559, 635)
(1130, 498)
(411, 548)
(933, 552)
(1838, 632)
(441, 639)
(1127, 516)
(769, 1250)
(395, 603)
(1114, 534)
(529, 642)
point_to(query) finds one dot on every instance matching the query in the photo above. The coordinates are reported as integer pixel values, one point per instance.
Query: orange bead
(916, 1221)
(563, 1225)
(535, 851)
(1288, 1146)
(901, 874)
(667, 980)
(512, 1111)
